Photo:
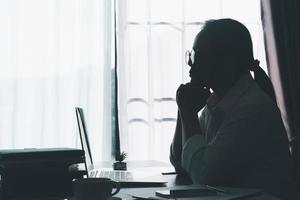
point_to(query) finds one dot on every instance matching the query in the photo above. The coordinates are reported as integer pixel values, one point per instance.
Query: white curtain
(152, 38)
(55, 55)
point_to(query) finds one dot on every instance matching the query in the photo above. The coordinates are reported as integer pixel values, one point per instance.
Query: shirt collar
(228, 101)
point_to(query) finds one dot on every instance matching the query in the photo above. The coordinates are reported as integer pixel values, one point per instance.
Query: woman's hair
(231, 38)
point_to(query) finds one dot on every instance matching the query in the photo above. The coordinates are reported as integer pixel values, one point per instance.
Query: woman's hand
(191, 99)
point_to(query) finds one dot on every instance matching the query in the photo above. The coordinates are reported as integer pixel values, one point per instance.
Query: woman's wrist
(187, 114)
(190, 126)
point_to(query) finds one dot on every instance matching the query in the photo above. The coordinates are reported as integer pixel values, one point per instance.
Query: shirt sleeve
(230, 149)
(192, 146)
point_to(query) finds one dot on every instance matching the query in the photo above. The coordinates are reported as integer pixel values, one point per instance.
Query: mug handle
(118, 187)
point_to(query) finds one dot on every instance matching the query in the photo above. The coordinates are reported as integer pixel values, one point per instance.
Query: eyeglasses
(190, 57)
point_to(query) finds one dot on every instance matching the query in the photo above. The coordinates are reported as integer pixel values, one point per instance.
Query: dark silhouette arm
(190, 101)
(176, 146)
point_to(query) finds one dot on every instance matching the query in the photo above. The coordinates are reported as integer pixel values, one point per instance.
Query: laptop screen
(84, 139)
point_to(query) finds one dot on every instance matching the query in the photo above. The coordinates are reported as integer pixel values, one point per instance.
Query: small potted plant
(120, 165)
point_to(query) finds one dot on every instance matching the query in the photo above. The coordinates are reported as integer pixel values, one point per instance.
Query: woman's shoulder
(256, 100)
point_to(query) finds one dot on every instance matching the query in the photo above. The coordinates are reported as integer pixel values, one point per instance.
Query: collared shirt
(242, 143)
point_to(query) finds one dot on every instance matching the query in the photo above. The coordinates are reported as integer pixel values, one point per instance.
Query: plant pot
(120, 166)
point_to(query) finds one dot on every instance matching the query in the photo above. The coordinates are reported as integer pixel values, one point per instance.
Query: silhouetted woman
(239, 139)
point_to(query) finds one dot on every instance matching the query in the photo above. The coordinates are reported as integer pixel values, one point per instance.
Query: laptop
(125, 178)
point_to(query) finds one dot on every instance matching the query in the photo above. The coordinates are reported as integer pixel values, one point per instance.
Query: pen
(217, 189)
(144, 198)
(168, 173)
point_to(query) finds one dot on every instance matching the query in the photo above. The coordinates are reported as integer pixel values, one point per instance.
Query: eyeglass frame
(189, 57)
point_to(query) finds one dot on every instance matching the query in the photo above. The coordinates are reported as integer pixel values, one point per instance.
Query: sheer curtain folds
(53, 58)
(152, 38)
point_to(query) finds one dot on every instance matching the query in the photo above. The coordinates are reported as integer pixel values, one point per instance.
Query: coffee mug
(94, 188)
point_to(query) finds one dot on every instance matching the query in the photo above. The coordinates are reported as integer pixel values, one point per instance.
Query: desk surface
(172, 179)
(158, 167)
(175, 181)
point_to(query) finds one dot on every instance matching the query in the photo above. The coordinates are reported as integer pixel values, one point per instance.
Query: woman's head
(223, 51)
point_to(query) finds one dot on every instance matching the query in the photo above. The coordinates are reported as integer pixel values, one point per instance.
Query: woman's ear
(228, 68)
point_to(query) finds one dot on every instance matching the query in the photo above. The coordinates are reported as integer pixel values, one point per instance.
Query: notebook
(125, 178)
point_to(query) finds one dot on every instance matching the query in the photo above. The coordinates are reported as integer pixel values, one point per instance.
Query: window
(152, 38)
(55, 55)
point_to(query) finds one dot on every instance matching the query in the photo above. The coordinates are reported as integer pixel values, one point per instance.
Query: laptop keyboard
(116, 175)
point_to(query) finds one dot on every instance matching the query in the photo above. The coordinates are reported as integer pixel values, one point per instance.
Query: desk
(173, 180)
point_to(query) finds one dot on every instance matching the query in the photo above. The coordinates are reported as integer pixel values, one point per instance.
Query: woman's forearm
(176, 147)
(190, 126)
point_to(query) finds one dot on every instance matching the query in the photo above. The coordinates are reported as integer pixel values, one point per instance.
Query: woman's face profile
(202, 69)
(222, 54)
